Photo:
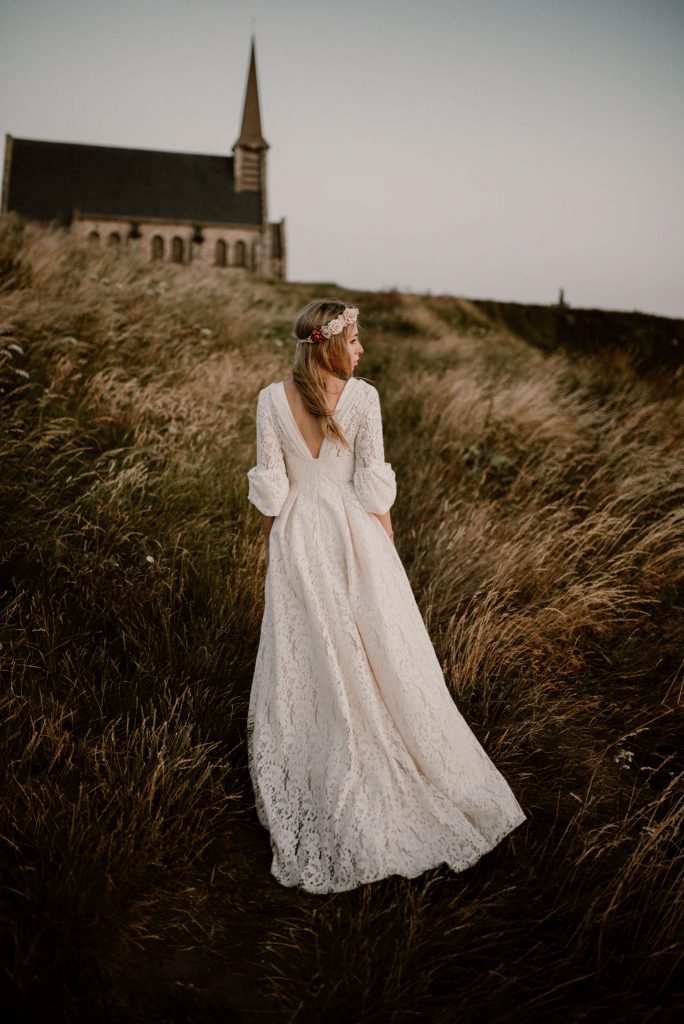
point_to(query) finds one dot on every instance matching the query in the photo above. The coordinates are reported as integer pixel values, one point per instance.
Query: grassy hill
(540, 519)
(650, 342)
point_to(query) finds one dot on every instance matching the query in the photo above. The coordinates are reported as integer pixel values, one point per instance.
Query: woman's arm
(374, 478)
(268, 481)
(386, 521)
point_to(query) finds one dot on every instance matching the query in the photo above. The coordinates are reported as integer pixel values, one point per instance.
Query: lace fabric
(374, 479)
(361, 764)
(268, 480)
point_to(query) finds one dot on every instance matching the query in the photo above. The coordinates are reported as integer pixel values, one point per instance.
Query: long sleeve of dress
(268, 480)
(374, 479)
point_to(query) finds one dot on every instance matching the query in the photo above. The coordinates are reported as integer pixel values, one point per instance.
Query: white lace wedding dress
(362, 766)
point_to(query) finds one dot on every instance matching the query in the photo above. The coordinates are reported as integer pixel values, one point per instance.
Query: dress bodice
(285, 463)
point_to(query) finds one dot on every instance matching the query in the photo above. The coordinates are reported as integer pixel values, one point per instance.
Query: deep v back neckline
(286, 400)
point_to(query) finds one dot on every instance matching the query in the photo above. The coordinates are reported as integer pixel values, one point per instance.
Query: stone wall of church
(243, 247)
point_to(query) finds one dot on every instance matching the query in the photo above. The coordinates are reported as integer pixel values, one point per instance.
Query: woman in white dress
(362, 766)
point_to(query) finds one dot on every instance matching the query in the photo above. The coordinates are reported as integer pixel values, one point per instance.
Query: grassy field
(540, 518)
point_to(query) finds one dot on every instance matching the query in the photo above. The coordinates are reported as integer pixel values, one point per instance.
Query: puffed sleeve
(374, 479)
(268, 481)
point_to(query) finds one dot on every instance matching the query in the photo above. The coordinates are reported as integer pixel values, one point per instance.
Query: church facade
(183, 207)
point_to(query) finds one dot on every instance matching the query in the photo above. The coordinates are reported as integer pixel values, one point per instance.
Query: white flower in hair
(335, 326)
(350, 314)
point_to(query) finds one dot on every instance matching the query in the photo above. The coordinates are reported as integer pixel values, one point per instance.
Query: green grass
(540, 519)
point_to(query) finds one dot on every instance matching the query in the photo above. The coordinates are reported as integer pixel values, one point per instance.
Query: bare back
(308, 425)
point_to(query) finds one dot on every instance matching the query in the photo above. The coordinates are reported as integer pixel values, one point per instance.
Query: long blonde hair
(312, 361)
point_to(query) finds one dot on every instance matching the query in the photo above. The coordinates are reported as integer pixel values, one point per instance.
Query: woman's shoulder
(269, 389)
(365, 386)
(370, 395)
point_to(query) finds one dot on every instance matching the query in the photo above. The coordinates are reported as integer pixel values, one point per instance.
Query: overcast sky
(485, 148)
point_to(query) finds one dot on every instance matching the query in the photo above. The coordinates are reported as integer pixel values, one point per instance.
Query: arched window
(177, 249)
(221, 253)
(255, 255)
(114, 238)
(94, 236)
(157, 248)
(240, 254)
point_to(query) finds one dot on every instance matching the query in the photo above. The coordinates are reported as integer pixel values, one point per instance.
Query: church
(183, 207)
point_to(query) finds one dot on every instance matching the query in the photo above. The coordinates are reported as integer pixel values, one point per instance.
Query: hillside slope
(540, 519)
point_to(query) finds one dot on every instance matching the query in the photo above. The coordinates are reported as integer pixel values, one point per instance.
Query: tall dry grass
(540, 519)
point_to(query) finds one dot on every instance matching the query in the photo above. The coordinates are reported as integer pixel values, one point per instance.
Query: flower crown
(334, 326)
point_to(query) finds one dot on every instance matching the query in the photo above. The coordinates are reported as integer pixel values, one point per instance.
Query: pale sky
(493, 149)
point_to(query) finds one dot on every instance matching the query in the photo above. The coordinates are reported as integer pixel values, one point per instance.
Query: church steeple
(249, 169)
(250, 132)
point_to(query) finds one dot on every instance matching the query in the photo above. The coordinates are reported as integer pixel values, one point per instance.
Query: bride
(362, 765)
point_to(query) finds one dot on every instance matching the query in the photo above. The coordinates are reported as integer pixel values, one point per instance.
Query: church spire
(250, 132)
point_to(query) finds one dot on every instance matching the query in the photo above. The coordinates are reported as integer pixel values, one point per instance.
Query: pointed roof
(250, 132)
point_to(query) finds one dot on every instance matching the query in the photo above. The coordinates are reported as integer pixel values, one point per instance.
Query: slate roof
(47, 180)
